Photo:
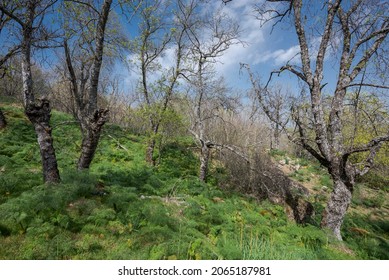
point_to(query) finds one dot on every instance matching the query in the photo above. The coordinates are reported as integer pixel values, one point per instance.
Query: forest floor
(124, 209)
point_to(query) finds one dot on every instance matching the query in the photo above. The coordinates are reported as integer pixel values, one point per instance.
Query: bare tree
(210, 38)
(4, 20)
(356, 30)
(161, 35)
(274, 103)
(29, 18)
(84, 82)
(116, 98)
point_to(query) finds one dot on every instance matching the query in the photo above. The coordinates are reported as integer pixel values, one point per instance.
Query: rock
(297, 167)
(217, 199)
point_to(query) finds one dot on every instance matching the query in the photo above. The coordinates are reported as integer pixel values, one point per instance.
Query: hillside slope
(123, 209)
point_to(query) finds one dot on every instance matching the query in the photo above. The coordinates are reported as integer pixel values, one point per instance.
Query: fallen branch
(118, 143)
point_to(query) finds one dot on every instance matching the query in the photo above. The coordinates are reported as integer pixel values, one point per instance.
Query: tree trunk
(150, 152)
(151, 145)
(204, 159)
(98, 56)
(91, 136)
(93, 118)
(275, 140)
(336, 207)
(39, 115)
(3, 121)
(37, 111)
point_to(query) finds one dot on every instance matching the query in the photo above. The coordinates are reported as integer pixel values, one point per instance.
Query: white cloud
(256, 48)
(252, 37)
(282, 56)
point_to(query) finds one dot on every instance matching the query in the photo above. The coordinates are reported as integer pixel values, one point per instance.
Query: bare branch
(367, 147)
(302, 140)
(380, 37)
(305, 56)
(9, 13)
(332, 10)
(366, 85)
(369, 161)
(233, 149)
(85, 4)
(10, 53)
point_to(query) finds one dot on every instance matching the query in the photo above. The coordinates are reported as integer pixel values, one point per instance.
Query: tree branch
(367, 55)
(305, 58)
(366, 85)
(11, 15)
(85, 4)
(10, 53)
(325, 39)
(367, 147)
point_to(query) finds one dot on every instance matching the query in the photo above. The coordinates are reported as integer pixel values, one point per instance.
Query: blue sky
(264, 49)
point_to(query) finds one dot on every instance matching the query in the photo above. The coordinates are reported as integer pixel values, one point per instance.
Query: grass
(142, 212)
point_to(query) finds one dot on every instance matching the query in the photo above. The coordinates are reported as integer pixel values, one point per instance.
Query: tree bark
(3, 121)
(39, 115)
(150, 152)
(90, 116)
(37, 111)
(275, 142)
(98, 57)
(94, 118)
(91, 136)
(336, 208)
(152, 142)
(204, 160)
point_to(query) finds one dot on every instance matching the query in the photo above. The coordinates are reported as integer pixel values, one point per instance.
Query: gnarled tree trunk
(337, 206)
(37, 111)
(39, 115)
(3, 121)
(91, 136)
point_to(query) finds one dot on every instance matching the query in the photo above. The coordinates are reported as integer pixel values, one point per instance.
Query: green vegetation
(125, 209)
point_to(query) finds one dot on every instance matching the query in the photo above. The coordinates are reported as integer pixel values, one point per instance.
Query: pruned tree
(28, 18)
(87, 30)
(355, 31)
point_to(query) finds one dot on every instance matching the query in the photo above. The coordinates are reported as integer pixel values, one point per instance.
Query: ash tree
(352, 35)
(27, 22)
